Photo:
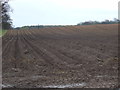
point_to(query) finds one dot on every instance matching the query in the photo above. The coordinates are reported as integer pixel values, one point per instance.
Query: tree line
(38, 26)
(114, 21)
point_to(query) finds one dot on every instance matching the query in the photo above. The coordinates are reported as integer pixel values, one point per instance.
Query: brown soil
(71, 56)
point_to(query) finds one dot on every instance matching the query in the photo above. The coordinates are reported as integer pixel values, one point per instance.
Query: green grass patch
(2, 32)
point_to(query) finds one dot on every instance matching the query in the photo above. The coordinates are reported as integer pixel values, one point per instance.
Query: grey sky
(61, 12)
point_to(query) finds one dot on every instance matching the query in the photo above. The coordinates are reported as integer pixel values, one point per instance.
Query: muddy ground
(61, 57)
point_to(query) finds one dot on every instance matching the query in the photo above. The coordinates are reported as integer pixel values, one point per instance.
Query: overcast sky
(61, 12)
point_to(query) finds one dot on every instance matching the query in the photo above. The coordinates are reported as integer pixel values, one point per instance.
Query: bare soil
(61, 57)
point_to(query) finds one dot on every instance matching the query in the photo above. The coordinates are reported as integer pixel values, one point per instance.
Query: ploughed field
(61, 57)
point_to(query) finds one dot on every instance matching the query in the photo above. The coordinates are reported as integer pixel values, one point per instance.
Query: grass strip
(2, 32)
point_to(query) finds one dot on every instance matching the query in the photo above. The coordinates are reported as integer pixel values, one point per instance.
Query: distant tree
(105, 22)
(115, 21)
(5, 9)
